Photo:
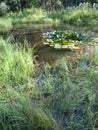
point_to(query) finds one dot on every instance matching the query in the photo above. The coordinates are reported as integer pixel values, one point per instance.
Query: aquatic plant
(66, 39)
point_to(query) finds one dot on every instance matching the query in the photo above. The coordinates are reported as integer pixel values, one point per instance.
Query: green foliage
(18, 109)
(3, 8)
(20, 112)
(66, 39)
(77, 17)
(15, 64)
(73, 99)
(5, 25)
(83, 18)
(14, 5)
(67, 93)
(69, 35)
(49, 4)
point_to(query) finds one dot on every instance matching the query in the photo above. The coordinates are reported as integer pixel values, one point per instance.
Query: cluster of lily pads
(67, 39)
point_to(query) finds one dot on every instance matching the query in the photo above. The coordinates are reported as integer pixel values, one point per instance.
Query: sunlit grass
(18, 108)
(16, 63)
(64, 94)
(78, 17)
(5, 25)
(75, 17)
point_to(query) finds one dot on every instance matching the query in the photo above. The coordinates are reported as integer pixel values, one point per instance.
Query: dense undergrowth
(17, 84)
(77, 17)
(59, 97)
(73, 100)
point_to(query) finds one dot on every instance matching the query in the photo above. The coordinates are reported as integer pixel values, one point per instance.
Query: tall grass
(18, 109)
(53, 98)
(77, 17)
(16, 63)
(71, 97)
(5, 25)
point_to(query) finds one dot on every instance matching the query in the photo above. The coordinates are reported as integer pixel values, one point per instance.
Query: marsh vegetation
(52, 84)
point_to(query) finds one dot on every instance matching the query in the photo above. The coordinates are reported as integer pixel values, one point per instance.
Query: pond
(48, 53)
(62, 97)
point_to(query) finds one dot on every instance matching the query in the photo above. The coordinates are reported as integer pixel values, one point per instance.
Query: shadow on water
(48, 53)
(32, 34)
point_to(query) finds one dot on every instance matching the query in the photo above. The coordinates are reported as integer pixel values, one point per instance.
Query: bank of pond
(52, 86)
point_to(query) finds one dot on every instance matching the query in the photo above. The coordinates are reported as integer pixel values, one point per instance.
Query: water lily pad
(46, 43)
(67, 39)
(95, 40)
(57, 46)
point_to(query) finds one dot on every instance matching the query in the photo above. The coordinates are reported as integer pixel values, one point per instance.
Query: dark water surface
(46, 53)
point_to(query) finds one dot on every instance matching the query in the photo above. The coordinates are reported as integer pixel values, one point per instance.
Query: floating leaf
(66, 39)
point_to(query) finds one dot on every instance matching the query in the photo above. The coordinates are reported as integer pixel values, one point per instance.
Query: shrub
(14, 5)
(3, 8)
(5, 26)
